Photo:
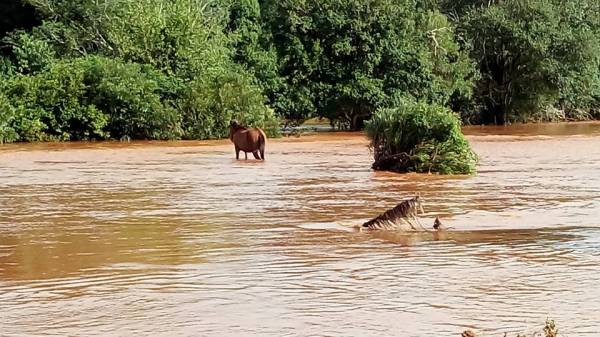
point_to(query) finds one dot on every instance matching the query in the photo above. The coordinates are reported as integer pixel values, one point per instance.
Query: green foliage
(167, 69)
(179, 37)
(7, 68)
(30, 53)
(97, 97)
(458, 8)
(90, 98)
(419, 137)
(150, 69)
(131, 96)
(211, 103)
(533, 54)
(344, 59)
(46, 106)
(7, 114)
(253, 47)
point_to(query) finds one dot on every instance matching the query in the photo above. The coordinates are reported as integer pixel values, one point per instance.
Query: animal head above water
(437, 224)
(234, 126)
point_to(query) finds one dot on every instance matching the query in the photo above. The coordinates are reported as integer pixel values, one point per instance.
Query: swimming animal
(403, 217)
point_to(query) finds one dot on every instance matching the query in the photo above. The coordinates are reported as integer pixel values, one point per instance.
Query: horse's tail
(262, 141)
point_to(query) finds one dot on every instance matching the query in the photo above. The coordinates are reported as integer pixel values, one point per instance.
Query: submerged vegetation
(181, 69)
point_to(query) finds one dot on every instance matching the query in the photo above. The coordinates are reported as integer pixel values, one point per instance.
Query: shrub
(30, 53)
(88, 98)
(211, 103)
(131, 95)
(98, 98)
(419, 137)
(149, 69)
(7, 68)
(7, 114)
(47, 106)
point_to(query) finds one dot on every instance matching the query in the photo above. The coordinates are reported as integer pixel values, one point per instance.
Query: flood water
(179, 239)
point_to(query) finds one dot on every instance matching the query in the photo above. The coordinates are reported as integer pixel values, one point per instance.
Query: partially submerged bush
(419, 137)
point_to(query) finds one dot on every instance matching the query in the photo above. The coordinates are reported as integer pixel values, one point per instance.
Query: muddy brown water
(179, 239)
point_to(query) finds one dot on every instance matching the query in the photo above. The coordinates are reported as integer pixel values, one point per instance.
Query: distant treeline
(170, 69)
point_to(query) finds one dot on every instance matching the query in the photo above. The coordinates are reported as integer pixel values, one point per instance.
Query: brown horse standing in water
(247, 140)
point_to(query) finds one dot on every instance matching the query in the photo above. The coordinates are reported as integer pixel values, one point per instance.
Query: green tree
(29, 53)
(253, 47)
(158, 69)
(89, 98)
(179, 37)
(534, 54)
(344, 59)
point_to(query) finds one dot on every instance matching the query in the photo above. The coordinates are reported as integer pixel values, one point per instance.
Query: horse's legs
(256, 156)
(246, 154)
(237, 153)
(262, 154)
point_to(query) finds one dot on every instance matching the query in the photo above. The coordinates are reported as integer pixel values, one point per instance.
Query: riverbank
(323, 133)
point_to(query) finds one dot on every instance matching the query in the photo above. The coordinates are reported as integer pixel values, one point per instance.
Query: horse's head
(233, 126)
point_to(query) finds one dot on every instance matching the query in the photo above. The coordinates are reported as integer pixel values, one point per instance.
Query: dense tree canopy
(141, 69)
(344, 59)
(532, 55)
(78, 69)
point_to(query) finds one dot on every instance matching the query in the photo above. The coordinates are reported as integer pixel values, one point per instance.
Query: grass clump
(419, 137)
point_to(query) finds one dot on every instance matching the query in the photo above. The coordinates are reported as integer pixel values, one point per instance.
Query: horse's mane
(237, 126)
(405, 209)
